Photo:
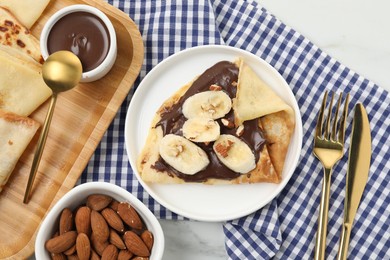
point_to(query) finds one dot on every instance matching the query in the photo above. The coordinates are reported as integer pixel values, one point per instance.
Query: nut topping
(240, 130)
(215, 87)
(229, 124)
(223, 149)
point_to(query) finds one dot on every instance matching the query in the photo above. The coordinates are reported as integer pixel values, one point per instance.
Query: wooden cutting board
(81, 117)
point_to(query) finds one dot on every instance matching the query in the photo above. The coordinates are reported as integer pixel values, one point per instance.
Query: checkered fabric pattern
(286, 227)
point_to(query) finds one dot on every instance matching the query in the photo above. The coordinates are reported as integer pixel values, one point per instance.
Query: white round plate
(193, 200)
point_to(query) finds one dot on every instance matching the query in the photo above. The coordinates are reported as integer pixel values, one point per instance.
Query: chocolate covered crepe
(225, 126)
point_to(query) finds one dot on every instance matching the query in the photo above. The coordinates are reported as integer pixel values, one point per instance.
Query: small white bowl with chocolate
(99, 219)
(88, 33)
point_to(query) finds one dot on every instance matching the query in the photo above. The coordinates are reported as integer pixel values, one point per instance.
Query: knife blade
(357, 174)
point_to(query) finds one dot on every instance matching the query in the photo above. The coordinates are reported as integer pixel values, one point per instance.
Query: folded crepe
(15, 35)
(22, 89)
(26, 11)
(16, 133)
(224, 127)
(256, 100)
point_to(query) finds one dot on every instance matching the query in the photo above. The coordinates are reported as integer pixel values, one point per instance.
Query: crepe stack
(22, 89)
(26, 11)
(224, 127)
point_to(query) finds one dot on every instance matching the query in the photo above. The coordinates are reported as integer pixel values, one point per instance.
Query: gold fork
(328, 148)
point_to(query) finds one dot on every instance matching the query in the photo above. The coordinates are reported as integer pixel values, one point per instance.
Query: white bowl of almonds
(99, 220)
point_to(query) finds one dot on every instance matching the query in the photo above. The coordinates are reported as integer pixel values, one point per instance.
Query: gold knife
(357, 175)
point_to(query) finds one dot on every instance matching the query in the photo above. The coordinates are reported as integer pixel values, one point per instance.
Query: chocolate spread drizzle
(225, 75)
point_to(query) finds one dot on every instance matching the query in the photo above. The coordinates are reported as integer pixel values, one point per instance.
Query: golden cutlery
(61, 72)
(328, 148)
(357, 175)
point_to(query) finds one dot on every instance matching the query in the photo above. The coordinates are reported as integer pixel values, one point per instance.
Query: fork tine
(327, 125)
(343, 119)
(335, 120)
(321, 115)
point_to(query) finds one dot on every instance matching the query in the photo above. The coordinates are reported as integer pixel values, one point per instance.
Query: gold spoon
(61, 72)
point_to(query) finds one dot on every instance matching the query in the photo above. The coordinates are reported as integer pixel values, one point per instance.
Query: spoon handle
(39, 150)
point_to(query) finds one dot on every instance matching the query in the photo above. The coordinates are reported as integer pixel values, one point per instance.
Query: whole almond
(57, 256)
(114, 205)
(116, 240)
(83, 246)
(135, 244)
(99, 226)
(94, 255)
(98, 201)
(147, 237)
(61, 243)
(113, 219)
(98, 245)
(66, 221)
(125, 255)
(72, 257)
(71, 250)
(111, 252)
(129, 215)
(83, 220)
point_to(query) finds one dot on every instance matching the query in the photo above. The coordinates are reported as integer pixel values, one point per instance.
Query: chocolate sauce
(82, 33)
(225, 75)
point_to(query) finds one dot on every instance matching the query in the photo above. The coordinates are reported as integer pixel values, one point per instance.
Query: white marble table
(354, 32)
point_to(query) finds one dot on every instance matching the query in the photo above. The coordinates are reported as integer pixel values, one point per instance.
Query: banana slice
(201, 129)
(183, 155)
(210, 104)
(234, 154)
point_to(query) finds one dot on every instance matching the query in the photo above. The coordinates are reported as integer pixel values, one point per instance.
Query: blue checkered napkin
(286, 227)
